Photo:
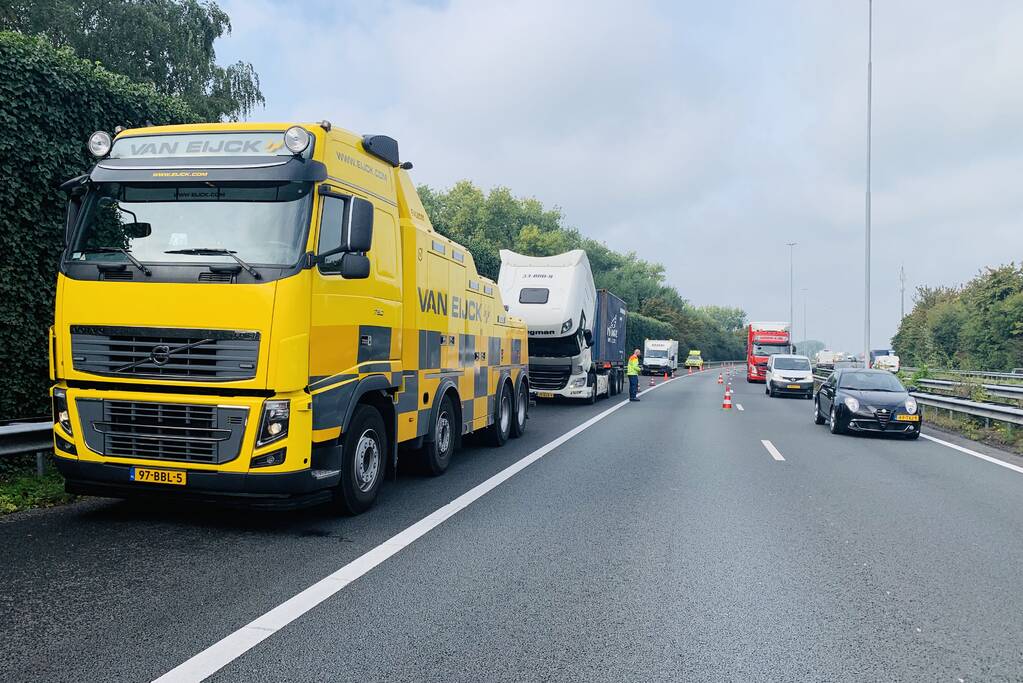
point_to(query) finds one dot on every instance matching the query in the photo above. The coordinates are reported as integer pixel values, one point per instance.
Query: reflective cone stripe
(727, 403)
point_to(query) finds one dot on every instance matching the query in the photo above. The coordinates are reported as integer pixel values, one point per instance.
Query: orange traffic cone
(727, 403)
(651, 381)
(690, 369)
(665, 375)
(721, 379)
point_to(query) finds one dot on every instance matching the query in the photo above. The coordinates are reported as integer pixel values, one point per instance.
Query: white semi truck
(576, 334)
(660, 356)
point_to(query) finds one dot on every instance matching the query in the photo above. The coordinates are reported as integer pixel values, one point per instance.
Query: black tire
(833, 422)
(498, 433)
(818, 419)
(437, 453)
(591, 381)
(364, 453)
(518, 423)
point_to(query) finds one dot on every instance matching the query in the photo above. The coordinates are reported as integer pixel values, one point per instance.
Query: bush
(640, 327)
(50, 101)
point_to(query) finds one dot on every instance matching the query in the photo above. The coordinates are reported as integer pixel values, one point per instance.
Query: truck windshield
(656, 354)
(262, 223)
(560, 347)
(769, 349)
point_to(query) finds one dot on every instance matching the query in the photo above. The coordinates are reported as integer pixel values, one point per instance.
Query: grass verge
(21, 490)
(998, 434)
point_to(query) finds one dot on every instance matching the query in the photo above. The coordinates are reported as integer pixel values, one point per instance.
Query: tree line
(486, 222)
(978, 326)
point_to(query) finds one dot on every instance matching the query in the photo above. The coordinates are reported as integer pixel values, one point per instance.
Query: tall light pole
(866, 279)
(902, 281)
(804, 290)
(792, 296)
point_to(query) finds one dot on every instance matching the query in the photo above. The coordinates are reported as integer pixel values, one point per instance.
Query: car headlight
(911, 406)
(852, 404)
(60, 412)
(581, 382)
(274, 423)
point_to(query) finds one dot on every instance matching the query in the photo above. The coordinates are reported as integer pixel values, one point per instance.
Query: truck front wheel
(437, 453)
(364, 452)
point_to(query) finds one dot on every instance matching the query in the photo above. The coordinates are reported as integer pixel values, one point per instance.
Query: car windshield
(791, 364)
(770, 349)
(554, 348)
(870, 381)
(262, 223)
(653, 353)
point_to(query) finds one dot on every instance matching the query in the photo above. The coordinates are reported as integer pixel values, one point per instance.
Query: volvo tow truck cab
(265, 312)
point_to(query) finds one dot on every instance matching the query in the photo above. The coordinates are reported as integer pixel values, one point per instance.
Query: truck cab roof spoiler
(178, 169)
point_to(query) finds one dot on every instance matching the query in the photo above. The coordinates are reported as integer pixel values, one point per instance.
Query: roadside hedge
(640, 327)
(50, 101)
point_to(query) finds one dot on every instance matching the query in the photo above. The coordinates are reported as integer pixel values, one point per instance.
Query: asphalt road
(664, 542)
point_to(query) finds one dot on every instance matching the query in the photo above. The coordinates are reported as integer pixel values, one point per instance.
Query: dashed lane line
(775, 453)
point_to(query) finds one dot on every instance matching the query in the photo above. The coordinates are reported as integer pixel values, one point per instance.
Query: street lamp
(804, 290)
(866, 268)
(792, 320)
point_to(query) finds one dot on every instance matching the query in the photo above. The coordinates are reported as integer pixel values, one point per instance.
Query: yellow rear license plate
(793, 386)
(148, 476)
(907, 418)
(545, 394)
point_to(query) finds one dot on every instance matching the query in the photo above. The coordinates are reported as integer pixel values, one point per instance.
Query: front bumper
(803, 388)
(287, 490)
(870, 424)
(568, 391)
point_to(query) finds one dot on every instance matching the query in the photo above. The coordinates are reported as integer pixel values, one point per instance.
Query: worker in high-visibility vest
(633, 372)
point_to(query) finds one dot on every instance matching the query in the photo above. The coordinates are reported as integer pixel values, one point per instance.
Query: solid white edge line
(961, 449)
(233, 646)
(775, 453)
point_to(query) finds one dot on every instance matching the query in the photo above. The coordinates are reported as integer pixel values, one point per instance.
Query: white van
(789, 374)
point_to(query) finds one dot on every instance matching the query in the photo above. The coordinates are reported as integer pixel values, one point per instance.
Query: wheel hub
(367, 460)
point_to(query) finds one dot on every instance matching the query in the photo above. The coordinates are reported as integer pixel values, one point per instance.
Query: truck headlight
(581, 382)
(852, 404)
(274, 423)
(296, 139)
(911, 406)
(60, 412)
(100, 143)
(566, 326)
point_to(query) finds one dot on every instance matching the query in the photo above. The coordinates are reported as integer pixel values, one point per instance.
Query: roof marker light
(296, 139)
(100, 143)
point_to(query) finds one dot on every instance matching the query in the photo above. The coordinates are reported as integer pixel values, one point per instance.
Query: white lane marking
(233, 646)
(1007, 465)
(738, 406)
(772, 450)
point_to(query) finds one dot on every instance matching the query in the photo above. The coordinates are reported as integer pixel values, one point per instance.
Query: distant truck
(877, 353)
(890, 362)
(660, 356)
(764, 340)
(826, 358)
(694, 359)
(576, 335)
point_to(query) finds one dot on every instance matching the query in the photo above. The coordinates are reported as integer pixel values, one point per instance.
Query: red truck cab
(763, 340)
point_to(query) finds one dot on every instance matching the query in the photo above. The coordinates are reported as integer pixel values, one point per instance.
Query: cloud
(702, 137)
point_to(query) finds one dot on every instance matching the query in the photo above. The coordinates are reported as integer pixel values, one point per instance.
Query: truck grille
(549, 377)
(196, 355)
(163, 431)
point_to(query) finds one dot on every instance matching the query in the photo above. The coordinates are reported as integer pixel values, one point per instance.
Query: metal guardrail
(983, 374)
(1010, 391)
(22, 438)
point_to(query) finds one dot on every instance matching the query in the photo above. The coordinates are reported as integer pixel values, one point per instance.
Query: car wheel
(499, 432)
(818, 418)
(363, 461)
(518, 425)
(437, 453)
(833, 422)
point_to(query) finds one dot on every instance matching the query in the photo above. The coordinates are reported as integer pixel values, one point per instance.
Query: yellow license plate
(148, 476)
(545, 394)
(907, 418)
(793, 386)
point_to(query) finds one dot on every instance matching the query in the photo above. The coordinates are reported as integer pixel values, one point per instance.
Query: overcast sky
(702, 135)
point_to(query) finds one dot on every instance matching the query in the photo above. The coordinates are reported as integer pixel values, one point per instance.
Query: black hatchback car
(874, 401)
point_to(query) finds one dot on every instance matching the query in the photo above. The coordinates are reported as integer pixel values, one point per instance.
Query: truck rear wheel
(364, 452)
(518, 425)
(498, 433)
(437, 453)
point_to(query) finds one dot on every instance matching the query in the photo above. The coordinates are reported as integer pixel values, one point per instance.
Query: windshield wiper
(218, 252)
(118, 250)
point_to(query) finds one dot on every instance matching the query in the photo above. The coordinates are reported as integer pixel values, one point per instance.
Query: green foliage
(25, 490)
(166, 43)
(485, 223)
(50, 101)
(976, 327)
(641, 328)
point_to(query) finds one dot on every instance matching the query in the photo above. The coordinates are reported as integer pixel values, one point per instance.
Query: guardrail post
(40, 463)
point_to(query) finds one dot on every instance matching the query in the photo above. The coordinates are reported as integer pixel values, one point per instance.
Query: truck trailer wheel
(364, 452)
(518, 424)
(498, 433)
(437, 453)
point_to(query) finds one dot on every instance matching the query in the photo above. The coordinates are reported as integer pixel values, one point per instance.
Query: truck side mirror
(354, 266)
(588, 336)
(137, 230)
(357, 230)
